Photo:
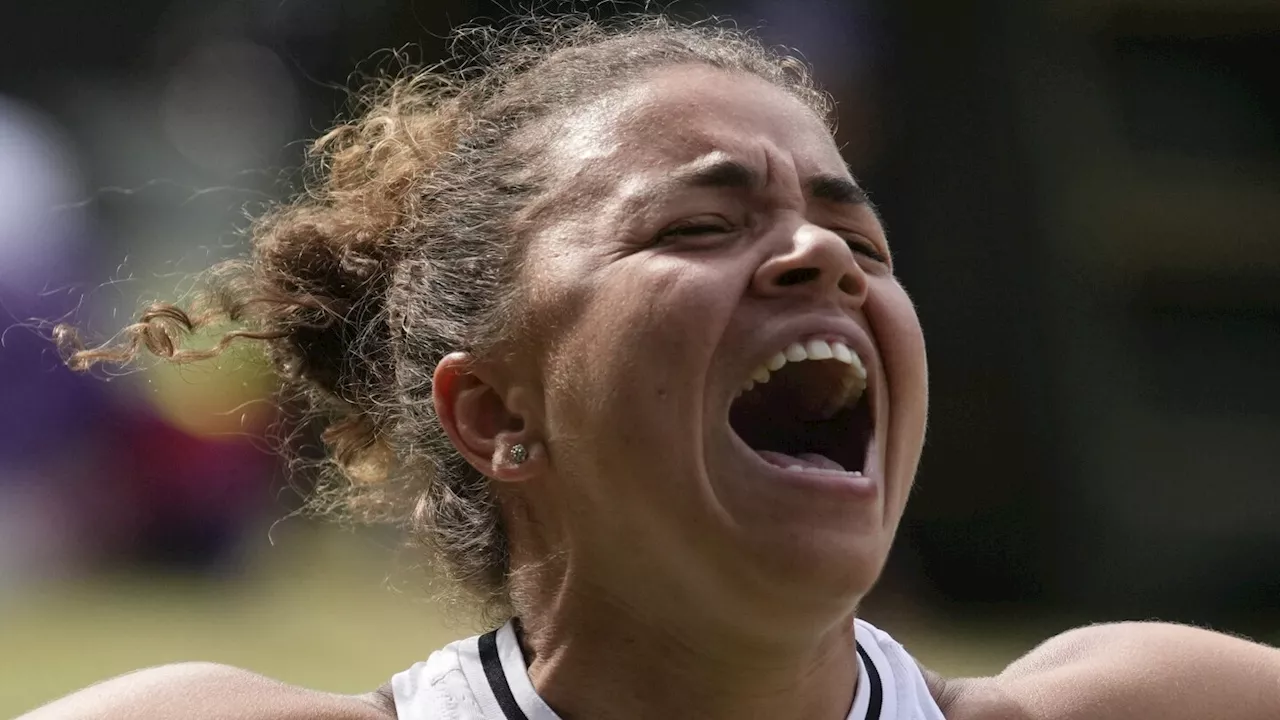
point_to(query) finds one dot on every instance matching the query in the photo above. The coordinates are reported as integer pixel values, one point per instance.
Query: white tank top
(485, 678)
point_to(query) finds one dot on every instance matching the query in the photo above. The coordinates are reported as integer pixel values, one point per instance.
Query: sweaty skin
(689, 228)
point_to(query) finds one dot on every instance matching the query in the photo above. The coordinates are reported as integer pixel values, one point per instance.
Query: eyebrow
(721, 172)
(836, 189)
(718, 171)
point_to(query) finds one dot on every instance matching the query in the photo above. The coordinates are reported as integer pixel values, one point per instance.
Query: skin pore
(708, 221)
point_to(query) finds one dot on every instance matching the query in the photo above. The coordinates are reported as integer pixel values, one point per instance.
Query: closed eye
(688, 230)
(697, 227)
(864, 247)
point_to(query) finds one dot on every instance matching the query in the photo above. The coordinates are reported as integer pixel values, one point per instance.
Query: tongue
(804, 460)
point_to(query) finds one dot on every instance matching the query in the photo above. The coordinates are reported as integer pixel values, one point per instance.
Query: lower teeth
(854, 473)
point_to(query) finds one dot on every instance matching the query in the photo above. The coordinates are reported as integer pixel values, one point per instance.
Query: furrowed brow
(841, 191)
(718, 171)
(722, 173)
(833, 188)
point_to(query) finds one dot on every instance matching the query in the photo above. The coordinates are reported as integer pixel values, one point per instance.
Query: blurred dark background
(1084, 201)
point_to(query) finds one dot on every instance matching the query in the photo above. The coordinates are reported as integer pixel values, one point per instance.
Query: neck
(591, 658)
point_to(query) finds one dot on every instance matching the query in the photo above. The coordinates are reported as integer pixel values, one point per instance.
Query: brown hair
(406, 245)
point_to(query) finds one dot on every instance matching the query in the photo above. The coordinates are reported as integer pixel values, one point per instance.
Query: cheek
(627, 366)
(901, 341)
(624, 400)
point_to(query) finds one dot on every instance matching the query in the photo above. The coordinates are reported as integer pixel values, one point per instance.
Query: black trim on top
(497, 678)
(876, 700)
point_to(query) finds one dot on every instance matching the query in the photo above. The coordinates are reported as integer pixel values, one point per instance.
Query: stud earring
(518, 454)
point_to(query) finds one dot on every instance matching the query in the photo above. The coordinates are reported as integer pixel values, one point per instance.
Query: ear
(482, 423)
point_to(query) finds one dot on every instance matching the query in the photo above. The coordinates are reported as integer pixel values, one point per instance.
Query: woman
(613, 327)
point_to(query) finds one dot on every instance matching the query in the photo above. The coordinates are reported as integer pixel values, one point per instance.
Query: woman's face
(700, 227)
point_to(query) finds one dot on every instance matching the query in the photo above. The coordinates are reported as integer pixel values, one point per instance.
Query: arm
(204, 691)
(1128, 670)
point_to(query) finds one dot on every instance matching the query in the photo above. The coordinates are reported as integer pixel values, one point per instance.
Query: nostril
(799, 276)
(848, 285)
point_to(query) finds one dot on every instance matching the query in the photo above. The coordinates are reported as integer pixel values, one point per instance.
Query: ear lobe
(480, 424)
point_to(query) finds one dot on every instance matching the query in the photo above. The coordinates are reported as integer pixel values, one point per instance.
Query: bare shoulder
(973, 698)
(1126, 670)
(207, 690)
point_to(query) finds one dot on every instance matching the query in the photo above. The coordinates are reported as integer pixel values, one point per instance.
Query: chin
(811, 578)
(839, 566)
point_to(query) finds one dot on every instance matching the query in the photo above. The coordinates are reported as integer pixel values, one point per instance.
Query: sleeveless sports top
(485, 678)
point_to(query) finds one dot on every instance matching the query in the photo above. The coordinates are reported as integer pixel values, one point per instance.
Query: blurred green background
(320, 609)
(1083, 199)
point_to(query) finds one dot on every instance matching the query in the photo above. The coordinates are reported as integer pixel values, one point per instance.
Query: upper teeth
(854, 383)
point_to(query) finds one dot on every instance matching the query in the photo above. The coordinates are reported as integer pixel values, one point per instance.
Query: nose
(818, 263)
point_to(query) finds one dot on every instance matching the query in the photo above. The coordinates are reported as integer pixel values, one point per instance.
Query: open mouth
(808, 408)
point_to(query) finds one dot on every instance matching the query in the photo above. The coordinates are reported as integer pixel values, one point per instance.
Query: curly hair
(406, 244)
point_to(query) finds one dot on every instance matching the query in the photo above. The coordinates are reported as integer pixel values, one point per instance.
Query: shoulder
(198, 690)
(443, 687)
(1126, 670)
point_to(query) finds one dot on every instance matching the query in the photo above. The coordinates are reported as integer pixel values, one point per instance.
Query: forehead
(679, 115)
